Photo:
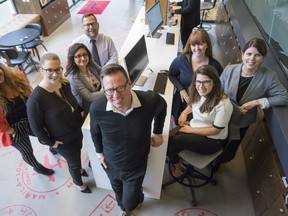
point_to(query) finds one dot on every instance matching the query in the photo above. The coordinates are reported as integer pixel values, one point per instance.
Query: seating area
(13, 57)
(36, 42)
(19, 21)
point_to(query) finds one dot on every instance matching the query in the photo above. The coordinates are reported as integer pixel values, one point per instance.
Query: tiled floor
(24, 192)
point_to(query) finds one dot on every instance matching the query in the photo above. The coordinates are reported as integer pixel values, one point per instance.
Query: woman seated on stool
(208, 129)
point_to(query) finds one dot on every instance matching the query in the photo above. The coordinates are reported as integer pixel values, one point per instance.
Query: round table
(18, 37)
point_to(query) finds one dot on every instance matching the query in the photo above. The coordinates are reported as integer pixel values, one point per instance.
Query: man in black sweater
(121, 132)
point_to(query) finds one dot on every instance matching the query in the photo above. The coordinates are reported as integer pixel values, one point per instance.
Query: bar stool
(204, 8)
(196, 171)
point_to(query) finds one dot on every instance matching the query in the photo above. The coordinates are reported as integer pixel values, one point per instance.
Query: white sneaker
(139, 206)
(122, 213)
(125, 213)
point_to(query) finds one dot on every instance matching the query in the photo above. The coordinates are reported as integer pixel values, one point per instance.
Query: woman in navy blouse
(197, 52)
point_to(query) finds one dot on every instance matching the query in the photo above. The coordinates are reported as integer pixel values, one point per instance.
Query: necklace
(247, 74)
(66, 100)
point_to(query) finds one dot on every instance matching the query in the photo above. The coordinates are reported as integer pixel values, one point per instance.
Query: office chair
(204, 8)
(196, 171)
(36, 42)
(14, 57)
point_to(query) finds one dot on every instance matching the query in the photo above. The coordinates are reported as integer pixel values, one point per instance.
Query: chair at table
(36, 42)
(13, 57)
(196, 171)
(205, 7)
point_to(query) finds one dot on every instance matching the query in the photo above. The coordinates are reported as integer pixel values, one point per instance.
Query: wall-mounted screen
(155, 19)
(137, 60)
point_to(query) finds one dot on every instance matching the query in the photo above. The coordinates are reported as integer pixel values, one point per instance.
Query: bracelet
(185, 113)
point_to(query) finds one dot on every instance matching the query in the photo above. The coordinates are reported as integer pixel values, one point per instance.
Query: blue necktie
(95, 52)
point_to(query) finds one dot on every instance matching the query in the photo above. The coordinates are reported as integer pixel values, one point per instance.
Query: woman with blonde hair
(14, 125)
(197, 52)
(55, 117)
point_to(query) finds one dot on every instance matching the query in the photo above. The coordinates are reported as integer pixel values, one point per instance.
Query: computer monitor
(137, 60)
(155, 19)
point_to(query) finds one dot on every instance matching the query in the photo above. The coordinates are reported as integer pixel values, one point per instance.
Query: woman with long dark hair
(207, 131)
(84, 76)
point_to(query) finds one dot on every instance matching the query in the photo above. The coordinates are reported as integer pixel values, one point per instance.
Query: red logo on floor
(17, 210)
(36, 186)
(106, 207)
(195, 212)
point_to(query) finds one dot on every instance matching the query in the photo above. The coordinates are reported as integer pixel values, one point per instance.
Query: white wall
(7, 11)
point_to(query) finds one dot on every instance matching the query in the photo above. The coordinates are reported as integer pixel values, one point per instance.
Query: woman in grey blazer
(83, 75)
(249, 85)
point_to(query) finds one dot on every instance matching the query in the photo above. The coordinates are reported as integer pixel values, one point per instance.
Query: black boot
(53, 151)
(43, 170)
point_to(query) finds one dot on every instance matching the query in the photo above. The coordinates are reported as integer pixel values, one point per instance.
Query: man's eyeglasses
(51, 70)
(119, 89)
(205, 82)
(93, 24)
(84, 55)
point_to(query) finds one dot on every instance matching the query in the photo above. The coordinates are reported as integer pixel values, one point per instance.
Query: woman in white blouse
(207, 131)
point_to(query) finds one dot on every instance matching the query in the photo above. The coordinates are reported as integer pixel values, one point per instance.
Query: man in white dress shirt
(105, 52)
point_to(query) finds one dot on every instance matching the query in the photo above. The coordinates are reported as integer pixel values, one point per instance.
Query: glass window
(273, 17)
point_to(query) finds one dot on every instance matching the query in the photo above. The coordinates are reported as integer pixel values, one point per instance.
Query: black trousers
(231, 149)
(127, 186)
(22, 143)
(71, 151)
(192, 142)
(185, 33)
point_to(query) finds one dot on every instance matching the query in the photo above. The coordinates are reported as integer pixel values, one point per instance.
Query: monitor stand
(141, 80)
(156, 35)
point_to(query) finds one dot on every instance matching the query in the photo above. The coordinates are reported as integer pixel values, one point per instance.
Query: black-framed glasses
(93, 24)
(51, 70)
(205, 82)
(79, 56)
(119, 89)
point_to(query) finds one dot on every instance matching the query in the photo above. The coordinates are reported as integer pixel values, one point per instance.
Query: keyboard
(170, 38)
(160, 83)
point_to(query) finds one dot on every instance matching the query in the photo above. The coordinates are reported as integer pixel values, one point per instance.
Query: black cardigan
(125, 140)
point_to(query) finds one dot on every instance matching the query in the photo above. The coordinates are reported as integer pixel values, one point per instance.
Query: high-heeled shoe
(53, 151)
(176, 168)
(43, 170)
(84, 173)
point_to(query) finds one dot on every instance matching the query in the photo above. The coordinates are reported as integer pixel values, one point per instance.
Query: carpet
(94, 7)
